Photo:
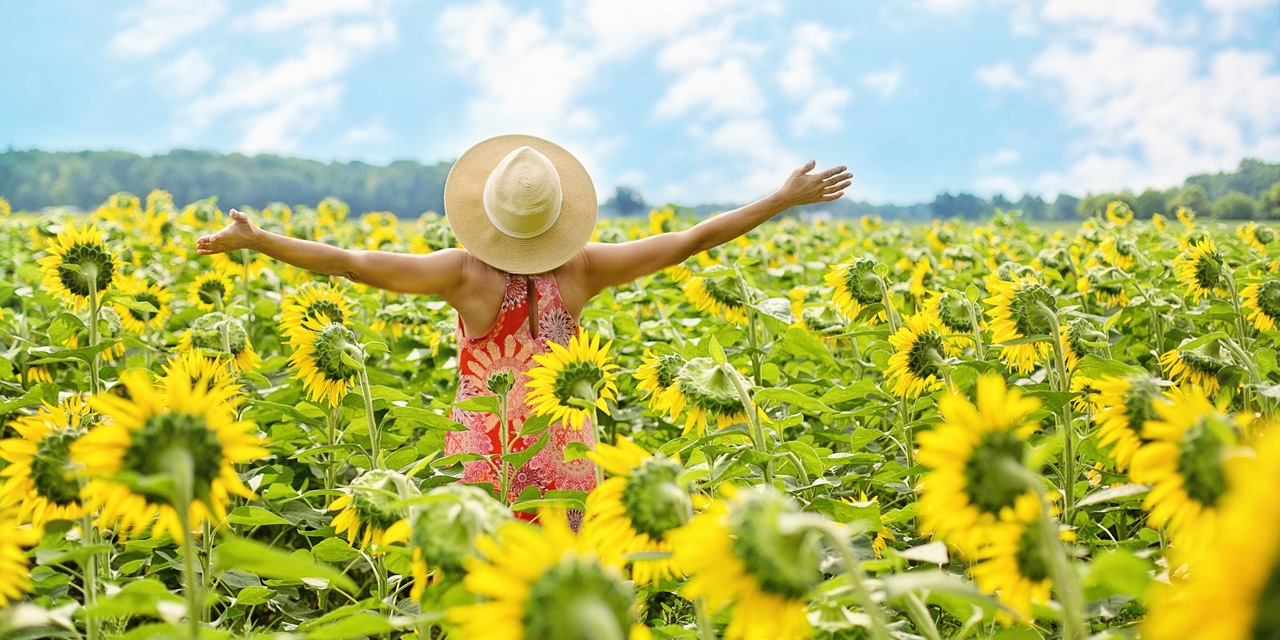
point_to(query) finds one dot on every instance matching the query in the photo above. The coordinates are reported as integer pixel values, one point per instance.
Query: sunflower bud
(445, 529)
(783, 561)
(375, 493)
(500, 382)
(653, 498)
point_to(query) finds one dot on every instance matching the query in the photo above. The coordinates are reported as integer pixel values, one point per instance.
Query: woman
(524, 210)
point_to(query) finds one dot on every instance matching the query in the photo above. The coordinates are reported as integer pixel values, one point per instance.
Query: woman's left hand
(803, 187)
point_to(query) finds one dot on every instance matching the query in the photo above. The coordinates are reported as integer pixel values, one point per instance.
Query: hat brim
(464, 208)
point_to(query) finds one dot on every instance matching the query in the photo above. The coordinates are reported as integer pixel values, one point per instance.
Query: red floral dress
(509, 345)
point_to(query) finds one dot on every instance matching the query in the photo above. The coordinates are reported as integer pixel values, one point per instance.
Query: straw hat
(520, 204)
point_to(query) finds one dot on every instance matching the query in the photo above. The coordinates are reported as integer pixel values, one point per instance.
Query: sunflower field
(825, 429)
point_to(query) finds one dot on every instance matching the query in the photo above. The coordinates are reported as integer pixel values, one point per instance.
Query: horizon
(707, 101)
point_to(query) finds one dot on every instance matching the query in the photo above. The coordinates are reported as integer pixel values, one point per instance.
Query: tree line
(33, 180)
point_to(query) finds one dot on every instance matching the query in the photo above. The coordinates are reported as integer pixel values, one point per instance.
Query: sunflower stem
(1065, 420)
(1241, 332)
(95, 382)
(706, 630)
(979, 350)
(248, 293)
(753, 419)
(919, 612)
(908, 441)
(753, 337)
(879, 629)
(88, 538)
(1064, 579)
(331, 428)
(375, 437)
(183, 469)
(225, 325)
(889, 313)
(505, 435)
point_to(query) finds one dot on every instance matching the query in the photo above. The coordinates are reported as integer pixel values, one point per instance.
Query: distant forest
(35, 180)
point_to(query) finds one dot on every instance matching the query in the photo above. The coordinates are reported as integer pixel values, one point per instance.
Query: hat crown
(522, 195)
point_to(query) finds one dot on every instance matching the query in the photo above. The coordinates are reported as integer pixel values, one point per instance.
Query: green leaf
(534, 425)
(868, 515)
(136, 597)
(518, 458)
(429, 419)
(777, 308)
(575, 451)
(250, 596)
(360, 625)
(83, 354)
(716, 351)
(63, 326)
(800, 343)
(484, 404)
(790, 396)
(1095, 367)
(334, 550)
(1118, 572)
(254, 517)
(269, 562)
(1114, 493)
(33, 397)
(276, 408)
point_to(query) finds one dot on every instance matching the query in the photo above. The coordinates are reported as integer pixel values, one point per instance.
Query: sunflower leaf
(1114, 493)
(484, 404)
(518, 458)
(535, 425)
(269, 562)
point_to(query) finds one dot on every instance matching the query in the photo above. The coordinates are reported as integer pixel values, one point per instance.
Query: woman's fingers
(831, 173)
(837, 187)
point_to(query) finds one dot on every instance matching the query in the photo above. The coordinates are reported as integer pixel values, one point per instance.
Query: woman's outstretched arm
(609, 265)
(440, 273)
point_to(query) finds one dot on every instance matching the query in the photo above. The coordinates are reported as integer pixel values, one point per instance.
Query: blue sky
(688, 101)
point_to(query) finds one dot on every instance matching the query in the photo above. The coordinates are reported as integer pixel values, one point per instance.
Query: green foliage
(1235, 206)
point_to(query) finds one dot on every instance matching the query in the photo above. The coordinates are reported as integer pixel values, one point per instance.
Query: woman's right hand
(240, 234)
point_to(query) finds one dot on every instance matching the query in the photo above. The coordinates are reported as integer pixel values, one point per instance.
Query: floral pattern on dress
(508, 346)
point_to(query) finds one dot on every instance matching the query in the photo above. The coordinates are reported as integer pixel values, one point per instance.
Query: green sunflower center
(97, 269)
(577, 380)
(954, 314)
(1032, 562)
(329, 345)
(990, 480)
(667, 369)
(212, 291)
(1264, 235)
(206, 333)
(1266, 623)
(1200, 459)
(576, 600)
(1269, 298)
(1201, 362)
(1137, 402)
(653, 499)
(51, 468)
(860, 279)
(374, 494)
(925, 354)
(1027, 312)
(445, 529)
(706, 385)
(1208, 272)
(147, 455)
(144, 316)
(724, 291)
(784, 563)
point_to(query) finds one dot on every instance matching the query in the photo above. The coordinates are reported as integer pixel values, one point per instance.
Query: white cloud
(159, 24)
(1144, 14)
(1001, 75)
(821, 111)
(999, 158)
(290, 14)
(885, 82)
(726, 89)
(1230, 12)
(186, 74)
(1163, 113)
(373, 132)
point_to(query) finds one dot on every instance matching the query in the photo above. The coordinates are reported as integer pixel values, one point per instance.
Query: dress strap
(531, 295)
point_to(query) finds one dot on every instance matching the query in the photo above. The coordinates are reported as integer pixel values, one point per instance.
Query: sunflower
(1185, 216)
(1198, 367)
(633, 511)
(1019, 309)
(398, 320)
(1199, 268)
(15, 577)
(1125, 405)
(78, 264)
(5, 209)
(1262, 299)
(1190, 446)
(657, 376)
(317, 356)
(717, 296)
(742, 552)
(856, 287)
(137, 322)
(1234, 582)
(224, 263)
(135, 448)
(1107, 285)
(1012, 562)
(1159, 222)
(205, 335)
(193, 368)
(1072, 333)
(445, 527)
(1087, 390)
(313, 301)
(678, 273)
(369, 506)
(210, 290)
(573, 373)
(705, 392)
(544, 583)
(40, 476)
(1119, 252)
(975, 459)
(662, 220)
(881, 540)
(951, 312)
(1258, 236)
(916, 364)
